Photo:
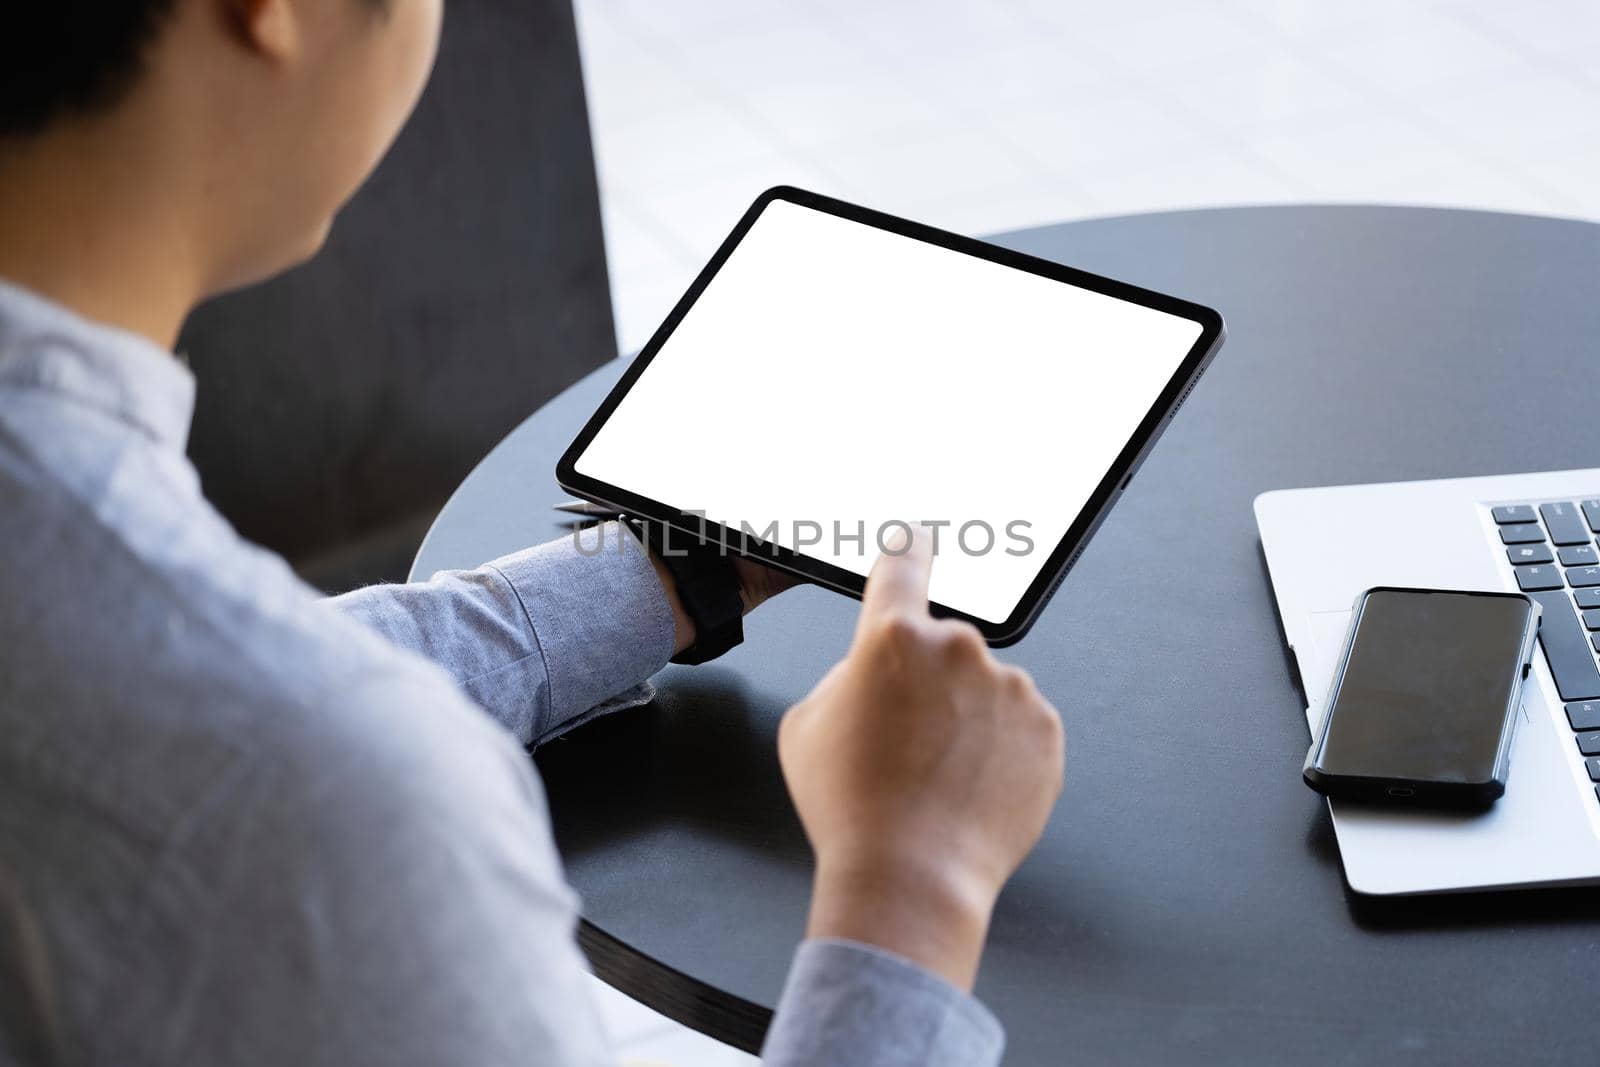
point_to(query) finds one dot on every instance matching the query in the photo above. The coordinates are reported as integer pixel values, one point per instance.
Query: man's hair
(61, 58)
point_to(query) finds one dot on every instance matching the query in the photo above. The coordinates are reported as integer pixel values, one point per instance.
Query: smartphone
(1426, 698)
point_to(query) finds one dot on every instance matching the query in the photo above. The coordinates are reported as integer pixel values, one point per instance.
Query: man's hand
(759, 583)
(924, 770)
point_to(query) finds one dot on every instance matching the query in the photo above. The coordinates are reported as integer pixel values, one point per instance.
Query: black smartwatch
(708, 587)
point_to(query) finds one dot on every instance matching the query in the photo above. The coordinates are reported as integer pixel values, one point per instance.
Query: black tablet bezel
(1078, 534)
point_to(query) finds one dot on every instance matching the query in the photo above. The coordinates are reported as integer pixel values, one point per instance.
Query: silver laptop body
(1325, 546)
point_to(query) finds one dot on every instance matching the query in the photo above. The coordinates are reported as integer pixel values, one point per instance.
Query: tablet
(835, 374)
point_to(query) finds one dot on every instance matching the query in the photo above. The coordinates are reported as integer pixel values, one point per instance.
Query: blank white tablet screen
(834, 379)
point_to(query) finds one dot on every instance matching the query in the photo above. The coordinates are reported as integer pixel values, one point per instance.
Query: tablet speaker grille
(1071, 562)
(1173, 411)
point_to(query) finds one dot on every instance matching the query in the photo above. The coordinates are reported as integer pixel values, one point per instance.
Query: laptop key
(1591, 511)
(1533, 579)
(1585, 716)
(1587, 598)
(1594, 769)
(1578, 556)
(1521, 534)
(1591, 619)
(1589, 743)
(1583, 576)
(1518, 513)
(1566, 649)
(1519, 554)
(1566, 526)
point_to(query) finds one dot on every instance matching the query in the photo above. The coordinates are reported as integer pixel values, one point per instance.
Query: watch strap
(707, 584)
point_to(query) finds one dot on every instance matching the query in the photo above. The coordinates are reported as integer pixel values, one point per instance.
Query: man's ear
(271, 28)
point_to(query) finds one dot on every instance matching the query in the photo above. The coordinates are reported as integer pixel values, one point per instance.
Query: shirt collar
(47, 347)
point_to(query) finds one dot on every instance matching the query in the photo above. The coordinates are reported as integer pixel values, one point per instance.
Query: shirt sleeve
(848, 1004)
(544, 639)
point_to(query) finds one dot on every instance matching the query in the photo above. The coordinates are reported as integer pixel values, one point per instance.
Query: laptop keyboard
(1552, 549)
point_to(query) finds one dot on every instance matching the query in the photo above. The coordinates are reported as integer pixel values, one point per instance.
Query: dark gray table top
(1186, 904)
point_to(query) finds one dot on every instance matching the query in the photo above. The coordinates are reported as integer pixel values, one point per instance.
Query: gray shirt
(242, 824)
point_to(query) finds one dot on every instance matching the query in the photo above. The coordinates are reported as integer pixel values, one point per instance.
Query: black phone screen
(1425, 688)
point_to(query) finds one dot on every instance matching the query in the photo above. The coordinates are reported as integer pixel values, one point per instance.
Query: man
(243, 825)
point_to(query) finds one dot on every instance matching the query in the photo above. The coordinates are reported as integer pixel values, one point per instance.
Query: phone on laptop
(1426, 698)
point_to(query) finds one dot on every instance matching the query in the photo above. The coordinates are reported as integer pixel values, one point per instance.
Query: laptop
(1531, 532)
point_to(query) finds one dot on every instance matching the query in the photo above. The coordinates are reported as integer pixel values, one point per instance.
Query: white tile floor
(986, 115)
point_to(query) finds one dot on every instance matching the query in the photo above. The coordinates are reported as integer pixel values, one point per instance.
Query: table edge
(680, 997)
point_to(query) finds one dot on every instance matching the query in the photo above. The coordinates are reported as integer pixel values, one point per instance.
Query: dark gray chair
(339, 405)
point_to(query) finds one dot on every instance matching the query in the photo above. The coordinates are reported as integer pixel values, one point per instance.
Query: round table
(1186, 903)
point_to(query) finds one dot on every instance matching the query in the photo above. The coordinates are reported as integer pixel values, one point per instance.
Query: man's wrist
(932, 917)
(682, 624)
